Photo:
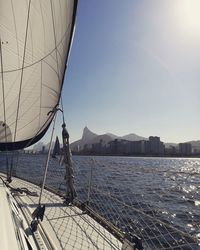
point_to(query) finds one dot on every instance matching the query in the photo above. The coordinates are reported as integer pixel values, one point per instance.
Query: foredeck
(65, 227)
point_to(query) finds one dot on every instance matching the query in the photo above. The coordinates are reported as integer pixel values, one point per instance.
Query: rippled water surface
(162, 196)
(132, 191)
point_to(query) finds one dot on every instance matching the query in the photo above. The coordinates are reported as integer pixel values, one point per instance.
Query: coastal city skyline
(151, 147)
(135, 70)
(91, 143)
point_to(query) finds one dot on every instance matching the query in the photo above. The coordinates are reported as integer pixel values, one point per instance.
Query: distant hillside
(38, 146)
(133, 137)
(90, 138)
(195, 145)
(171, 144)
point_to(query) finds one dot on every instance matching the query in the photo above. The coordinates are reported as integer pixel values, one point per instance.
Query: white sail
(35, 41)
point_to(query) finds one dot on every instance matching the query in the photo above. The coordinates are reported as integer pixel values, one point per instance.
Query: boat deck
(65, 227)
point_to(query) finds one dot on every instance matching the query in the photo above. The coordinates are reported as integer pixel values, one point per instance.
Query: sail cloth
(35, 39)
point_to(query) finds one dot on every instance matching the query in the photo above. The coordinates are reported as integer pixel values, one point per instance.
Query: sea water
(123, 189)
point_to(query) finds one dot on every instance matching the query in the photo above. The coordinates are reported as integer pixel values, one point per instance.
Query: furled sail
(35, 38)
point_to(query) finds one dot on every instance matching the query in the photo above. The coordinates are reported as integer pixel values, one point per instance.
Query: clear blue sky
(135, 68)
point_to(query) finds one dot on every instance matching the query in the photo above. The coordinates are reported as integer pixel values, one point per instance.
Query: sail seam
(20, 88)
(15, 32)
(43, 129)
(42, 59)
(24, 100)
(55, 40)
(62, 45)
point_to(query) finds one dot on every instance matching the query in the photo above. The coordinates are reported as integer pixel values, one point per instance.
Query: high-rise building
(185, 149)
(156, 146)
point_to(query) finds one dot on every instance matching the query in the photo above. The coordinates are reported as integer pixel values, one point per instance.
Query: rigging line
(4, 106)
(61, 23)
(47, 160)
(62, 107)
(57, 59)
(3, 91)
(20, 88)
(72, 28)
(110, 242)
(43, 24)
(31, 38)
(184, 234)
(22, 72)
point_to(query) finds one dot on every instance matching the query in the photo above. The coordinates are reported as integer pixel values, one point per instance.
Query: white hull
(63, 227)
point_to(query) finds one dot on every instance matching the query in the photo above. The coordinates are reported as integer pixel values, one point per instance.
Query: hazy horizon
(109, 132)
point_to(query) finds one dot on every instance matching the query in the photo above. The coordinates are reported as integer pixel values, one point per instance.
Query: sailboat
(35, 42)
(56, 149)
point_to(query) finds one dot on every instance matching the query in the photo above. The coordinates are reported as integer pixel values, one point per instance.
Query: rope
(146, 215)
(3, 92)
(20, 88)
(50, 114)
(4, 107)
(71, 193)
(47, 160)
(62, 107)
(22, 72)
(131, 206)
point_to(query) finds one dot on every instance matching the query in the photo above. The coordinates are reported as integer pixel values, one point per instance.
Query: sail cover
(35, 38)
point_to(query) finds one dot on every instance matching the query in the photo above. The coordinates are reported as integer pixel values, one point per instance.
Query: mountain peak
(88, 134)
(86, 129)
(91, 138)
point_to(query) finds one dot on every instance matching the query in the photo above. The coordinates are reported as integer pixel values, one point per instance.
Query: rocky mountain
(88, 135)
(90, 138)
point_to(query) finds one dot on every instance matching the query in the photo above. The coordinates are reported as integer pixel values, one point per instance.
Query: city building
(185, 149)
(156, 147)
(152, 147)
